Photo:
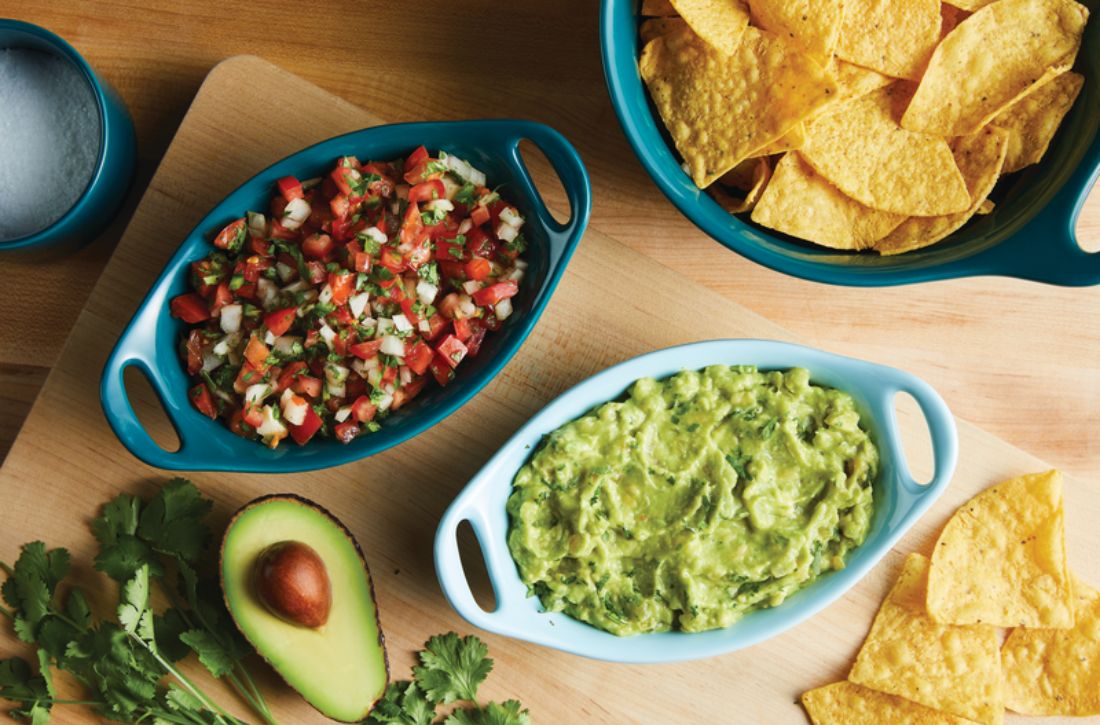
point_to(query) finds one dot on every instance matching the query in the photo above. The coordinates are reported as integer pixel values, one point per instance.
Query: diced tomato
(290, 188)
(347, 431)
(354, 386)
(302, 433)
(427, 191)
(222, 297)
(189, 307)
(279, 321)
(446, 229)
(389, 375)
(419, 154)
(278, 231)
(409, 312)
(340, 206)
(452, 269)
(342, 316)
(347, 179)
(479, 215)
(412, 226)
(342, 285)
(452, 349)
(363, 410)
(420, 254)
(418, 357)
(195, 341)
(247, 375)
(317, 272)
(463, 329)
(365, 350)
(317, 246)
(392, 260)
(253, 415)
(260, 246)
(256, 352)
(236, 423)
(488, 296)
(437, 324)
(446, 251)
(473, 345)
(232, 236)
(361, 262)
(441, 370)
(307, 385)
(254, 266)
(407, 392)
(478, 269)
(203, 402)
(289, 374)
(205, 275)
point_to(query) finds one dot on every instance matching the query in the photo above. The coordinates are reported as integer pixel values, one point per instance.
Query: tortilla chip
(986, 207)
(845, 703)
(953, 669)
(656, 27)
(979, 157)
(657, 8)
(970, 5)
(799, 202)
(812, 25)
(793, 139)
(895, 37)
(853, 81)
(1001, 559)
(1057, 671)
(860, 149)
(998, 55)
(719, 23)
(720, 109)
(951, 16)
(750, 176)
(1033, 120)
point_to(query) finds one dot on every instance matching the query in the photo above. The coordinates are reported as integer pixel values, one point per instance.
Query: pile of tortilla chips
(934, 655)
(862, 124)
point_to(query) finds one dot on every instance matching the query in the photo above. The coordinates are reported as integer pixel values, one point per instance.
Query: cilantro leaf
(30, 586)
(168, 628)
(118, 518)
(403, 703)
(506, 713)
(172, 521)
(212, 654)
(134, 613)
(121, 559)
(19, 683)
(452, 668)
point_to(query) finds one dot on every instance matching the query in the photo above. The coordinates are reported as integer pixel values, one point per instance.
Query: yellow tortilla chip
(656, 27)
(810, 24)
(986, 207)
(1057, 671)
(720, 109)
(951, 17)
(970, 5)
(979, 157)
(952, 669)
(719, 23)
(793, 139)
(845, 703)
(860, 148)
(853, 81)
(1001, 559)
(998, 55)
(657, 8)
(799, 202)
(1032, 121)
(750, 176)
(895, 37)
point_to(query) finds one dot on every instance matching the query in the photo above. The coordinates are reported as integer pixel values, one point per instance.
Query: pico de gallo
(349, 296)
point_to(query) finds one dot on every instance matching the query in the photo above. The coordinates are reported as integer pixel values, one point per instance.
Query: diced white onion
(424, 326)
(335, 374)
(296, 287)
(463, 170)
(439, 205)
(402, 324)
(255, 393)
(375, 235)
(506, 232)
(450, 187)
(405, 375)
(466, 306)
(222, 347)
(231, 318)
(296, 212)
(471, 286)
(516, 275)
(465, 225)
(503, 309)
(326, 295)
(270, 338)
(364, 367)
(358, 303)
(268, 291)
(336, 391)
(284, 345)
(257, 225)
(385, 324)
(392, 345)
(328, 334)
(342, 414)
(426, 292)
(212, 361)
(385, 401)
(510, 216)
(270, 427)
(285, 271)
(294, 408)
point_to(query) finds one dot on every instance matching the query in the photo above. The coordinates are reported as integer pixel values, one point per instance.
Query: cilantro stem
(51, 701)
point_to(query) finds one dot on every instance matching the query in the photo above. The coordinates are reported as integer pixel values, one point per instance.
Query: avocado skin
(303, 501)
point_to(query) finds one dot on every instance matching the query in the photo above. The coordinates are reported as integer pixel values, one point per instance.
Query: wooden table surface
(1021, 360)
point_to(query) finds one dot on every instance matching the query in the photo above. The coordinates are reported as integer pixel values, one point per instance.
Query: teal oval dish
(114, 167)
(150, 341)
(1029, 235)
(898, 501)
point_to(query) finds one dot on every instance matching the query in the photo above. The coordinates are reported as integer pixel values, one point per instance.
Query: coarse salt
(49, 139)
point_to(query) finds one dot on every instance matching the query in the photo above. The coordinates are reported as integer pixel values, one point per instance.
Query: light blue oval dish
(1029, 235)
(899, 502)
(150, 342)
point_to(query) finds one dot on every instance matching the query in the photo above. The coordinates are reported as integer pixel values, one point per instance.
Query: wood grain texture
(1020, 359)
(392, 501)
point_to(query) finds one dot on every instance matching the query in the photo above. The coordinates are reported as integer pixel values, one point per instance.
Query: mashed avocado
(695, 500)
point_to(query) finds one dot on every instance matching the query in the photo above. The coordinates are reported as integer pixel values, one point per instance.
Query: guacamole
(693, 501)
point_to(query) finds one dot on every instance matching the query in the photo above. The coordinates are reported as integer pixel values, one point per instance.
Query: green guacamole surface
(693, 501)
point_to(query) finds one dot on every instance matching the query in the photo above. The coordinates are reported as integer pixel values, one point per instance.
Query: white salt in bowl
(92, 140)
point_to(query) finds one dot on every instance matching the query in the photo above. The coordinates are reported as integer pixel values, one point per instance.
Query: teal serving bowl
(1030, 234)
(151, 341)
(899, 502)
(114, 168)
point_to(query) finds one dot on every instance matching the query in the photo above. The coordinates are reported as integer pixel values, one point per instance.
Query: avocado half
(341, 667)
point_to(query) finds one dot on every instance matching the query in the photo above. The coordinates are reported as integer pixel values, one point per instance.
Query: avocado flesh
(340, 668)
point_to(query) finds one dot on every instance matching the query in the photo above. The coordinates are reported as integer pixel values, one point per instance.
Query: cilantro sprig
(451, 669)
(128, 667)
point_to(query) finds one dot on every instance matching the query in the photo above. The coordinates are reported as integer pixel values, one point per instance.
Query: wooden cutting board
(612, 304)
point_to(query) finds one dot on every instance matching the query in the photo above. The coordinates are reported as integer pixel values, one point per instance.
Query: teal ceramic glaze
(899, 502)
(150, 342)
(114, 168)
(1029, 235)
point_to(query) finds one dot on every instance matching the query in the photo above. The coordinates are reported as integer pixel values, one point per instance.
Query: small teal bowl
(114, 169)
(899, 502)
(151, 340)
(1030, 234)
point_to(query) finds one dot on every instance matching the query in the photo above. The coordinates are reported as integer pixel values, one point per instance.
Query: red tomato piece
(342, 285)
(317, 246)
(446, 251)
(452, 350)
(427, 191)
(479, 215)
(232, 235)
(253, 415)
(189, 307)
(278, 231)
(347, 431)
(203, 401)
(478, 269)
(407, 392)
(289, 374)
(419, 357)
(347, 179)
(340, 206)
(279, 321)
(222, 297)
(392, 260)
(488, 296)
(302, 433)
(256, 352)
(194, 346)
(437, 324)
(365, 350)
(441, 370)
(463, 329)
(363, 410)
(317, 272)
(307, 385)
(473, 345)
(290, 188)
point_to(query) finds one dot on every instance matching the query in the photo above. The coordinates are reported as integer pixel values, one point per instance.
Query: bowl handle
(137, 347)
(569, 168)
(1060, 260)
(941, 427)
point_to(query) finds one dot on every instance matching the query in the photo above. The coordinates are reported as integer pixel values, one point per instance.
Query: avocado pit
(291, 581)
